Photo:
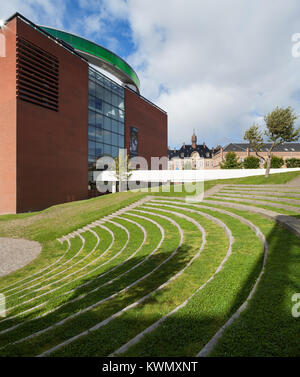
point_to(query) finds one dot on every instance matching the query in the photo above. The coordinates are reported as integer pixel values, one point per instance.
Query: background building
(194, 156)
(191, 156)
(58, 114)
(243, 150)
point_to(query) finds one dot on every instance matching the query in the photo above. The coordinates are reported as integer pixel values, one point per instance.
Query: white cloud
(224, 63)
(216, 66)
(44, 12)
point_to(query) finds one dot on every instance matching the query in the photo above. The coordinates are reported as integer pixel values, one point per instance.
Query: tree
(255, 138)
(292, 162)
(251, 162)
(276, 162)
(280, 124)
(123, 171)
(231, 161)
(280, 129)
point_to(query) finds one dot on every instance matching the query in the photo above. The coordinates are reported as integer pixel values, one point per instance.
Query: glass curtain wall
(106, 118)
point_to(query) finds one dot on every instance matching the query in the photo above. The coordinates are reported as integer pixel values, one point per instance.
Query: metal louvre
(37, 75)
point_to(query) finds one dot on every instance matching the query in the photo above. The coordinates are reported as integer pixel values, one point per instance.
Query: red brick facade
(152, 125)
(8, 114)
(43, 152)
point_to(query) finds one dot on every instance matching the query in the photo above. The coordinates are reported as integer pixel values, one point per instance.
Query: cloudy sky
(215, 66)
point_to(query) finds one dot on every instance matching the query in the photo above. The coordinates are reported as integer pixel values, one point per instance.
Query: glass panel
(114, 112)
(99, 77)
(91, 132)
(92, 88)
(107, 83)
(92, 102)
(107, 137)
(115, 139)
(91, 73)
(99, 135)
(107, 124)
(98, 104)
(114, 99)
(107, 95)
(106, 132)
(99, 92)
(115, 152)
(121, 115)
(107, 109)
(121, 128)
(99, 150)
(107, 149)
(92, 146)
(121, 141)
(115, 88)
(121, 103)
(91, 118)
(99, 120)
(115, 126)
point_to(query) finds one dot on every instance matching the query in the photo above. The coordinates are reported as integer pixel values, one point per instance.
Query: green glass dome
(99, 56)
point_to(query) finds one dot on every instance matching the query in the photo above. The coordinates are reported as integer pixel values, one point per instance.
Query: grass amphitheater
(137, 274)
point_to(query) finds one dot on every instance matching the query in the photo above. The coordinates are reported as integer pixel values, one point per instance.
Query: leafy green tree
(231, 161)
(280, 124)
(251, 162)
(292, 162)
(276, 162)
(255, 138)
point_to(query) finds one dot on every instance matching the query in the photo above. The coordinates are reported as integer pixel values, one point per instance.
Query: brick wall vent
(37, 75)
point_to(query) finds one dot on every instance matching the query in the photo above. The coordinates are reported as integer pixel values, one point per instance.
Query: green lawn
(121, 277)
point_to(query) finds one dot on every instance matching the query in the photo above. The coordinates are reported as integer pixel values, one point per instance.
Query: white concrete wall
(188, 175)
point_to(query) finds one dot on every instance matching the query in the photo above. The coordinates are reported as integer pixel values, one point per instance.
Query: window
(99, 91)
(115, 126)
(92, 148)
(91, 102)
(99, 149)
(92, 87)
(107, 150)
(91, 133)
(107, 137)
(91, 118)
(99, 121)
(107, 124)
(106, 117)
(98, 104)
(99, 135)
(115, 139)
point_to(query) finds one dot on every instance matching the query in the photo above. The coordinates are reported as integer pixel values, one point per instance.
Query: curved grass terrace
(147, 274)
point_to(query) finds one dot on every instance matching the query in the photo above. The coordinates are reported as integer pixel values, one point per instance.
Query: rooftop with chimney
(187, 149)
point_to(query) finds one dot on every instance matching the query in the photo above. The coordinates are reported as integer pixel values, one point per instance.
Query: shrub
(251, 162)
(293, 163)
(231, 161)
(276, 162)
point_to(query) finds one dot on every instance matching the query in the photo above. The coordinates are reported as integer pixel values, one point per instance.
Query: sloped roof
(242, 147)
(187, 150)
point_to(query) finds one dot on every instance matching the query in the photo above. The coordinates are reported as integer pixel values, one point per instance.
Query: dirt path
(16, 253)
